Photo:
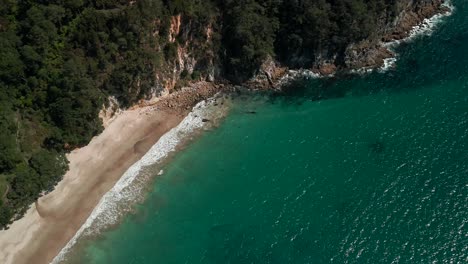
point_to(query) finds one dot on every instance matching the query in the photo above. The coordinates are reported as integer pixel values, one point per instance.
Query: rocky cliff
(370, 53)
(191, 52)
(197, 56)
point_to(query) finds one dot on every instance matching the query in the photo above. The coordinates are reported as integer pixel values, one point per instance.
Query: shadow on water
(418, 67)
(301, 90)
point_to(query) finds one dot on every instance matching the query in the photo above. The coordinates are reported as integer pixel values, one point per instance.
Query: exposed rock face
(413, 13)
(196, 57)
(268, 75)
(366, 55)
(174, 28)
(327, 69)
(371, 53)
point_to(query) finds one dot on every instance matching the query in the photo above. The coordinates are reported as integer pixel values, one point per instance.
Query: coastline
(55, 218)
(273, 75)
(49, 225)
(130, 188)
(425, 28)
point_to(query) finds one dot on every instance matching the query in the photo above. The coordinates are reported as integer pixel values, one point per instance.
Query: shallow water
(370, 169)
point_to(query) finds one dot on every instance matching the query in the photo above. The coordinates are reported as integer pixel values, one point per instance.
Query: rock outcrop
(194, 57)
(370, 53)
(413, 13)
(197, 61)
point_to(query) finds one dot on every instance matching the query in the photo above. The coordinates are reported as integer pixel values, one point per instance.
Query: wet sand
(93, 170)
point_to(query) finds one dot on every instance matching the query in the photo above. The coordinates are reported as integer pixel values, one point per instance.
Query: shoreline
(55, 218)
(54, 221)
(274, 76)
(425, 28)
(130, 189)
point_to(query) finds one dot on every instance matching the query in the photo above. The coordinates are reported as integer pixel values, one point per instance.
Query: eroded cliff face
(196, 50)
(370, 53)
(191, 48)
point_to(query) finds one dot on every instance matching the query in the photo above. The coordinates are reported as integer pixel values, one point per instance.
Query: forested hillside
(62, 59)
(297, 32)
(59, 62)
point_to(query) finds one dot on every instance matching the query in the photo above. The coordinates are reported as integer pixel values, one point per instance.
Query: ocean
(366, 168)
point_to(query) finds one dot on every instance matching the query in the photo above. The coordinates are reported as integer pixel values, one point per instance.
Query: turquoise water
(376, 171)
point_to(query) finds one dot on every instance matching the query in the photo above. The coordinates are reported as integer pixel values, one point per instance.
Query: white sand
(52, 222)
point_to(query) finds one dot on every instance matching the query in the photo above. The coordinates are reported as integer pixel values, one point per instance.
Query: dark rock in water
(251, 112)
(204, 120)
(377, 147)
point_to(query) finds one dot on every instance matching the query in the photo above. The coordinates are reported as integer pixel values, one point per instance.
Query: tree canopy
(61, 59)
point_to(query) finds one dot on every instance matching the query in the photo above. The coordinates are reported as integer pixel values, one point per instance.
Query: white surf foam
(389, 63)
(362, 71)
(109, 210)
(425, 28)
(299, 74)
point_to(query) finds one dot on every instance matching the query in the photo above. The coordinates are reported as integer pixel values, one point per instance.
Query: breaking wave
(425, 28)
(118, 201)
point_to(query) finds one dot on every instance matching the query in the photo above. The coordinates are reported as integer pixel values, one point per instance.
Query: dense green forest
(61, 59)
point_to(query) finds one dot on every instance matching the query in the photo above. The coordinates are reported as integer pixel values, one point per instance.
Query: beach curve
(93, 171)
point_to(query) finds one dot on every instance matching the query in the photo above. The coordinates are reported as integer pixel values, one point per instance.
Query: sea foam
(118, 200)
(298, 74)
(425, 28)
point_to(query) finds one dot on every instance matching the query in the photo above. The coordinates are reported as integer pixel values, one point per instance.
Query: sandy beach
(93, 170)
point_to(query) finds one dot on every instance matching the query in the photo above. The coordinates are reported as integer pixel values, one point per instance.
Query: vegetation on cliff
(61, 60)
(298, 33)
